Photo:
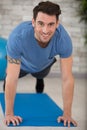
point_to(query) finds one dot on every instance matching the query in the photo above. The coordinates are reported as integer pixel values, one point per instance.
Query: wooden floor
(54, 90)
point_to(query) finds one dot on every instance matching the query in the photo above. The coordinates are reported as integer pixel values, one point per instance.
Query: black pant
(38, 75)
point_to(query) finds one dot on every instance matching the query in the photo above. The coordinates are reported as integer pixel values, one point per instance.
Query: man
(31, 48)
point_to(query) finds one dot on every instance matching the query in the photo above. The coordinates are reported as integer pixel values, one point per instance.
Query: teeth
(45, 35)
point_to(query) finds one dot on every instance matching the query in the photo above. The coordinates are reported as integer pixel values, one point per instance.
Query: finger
(68, 123)
(16, 121)
(7, 122)
(19, 118)
(60, 119)
(13, 122)
(4, 121)
(65, 122)
(74, 123)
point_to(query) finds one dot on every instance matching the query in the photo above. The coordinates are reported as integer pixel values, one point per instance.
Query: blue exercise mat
(35, 109)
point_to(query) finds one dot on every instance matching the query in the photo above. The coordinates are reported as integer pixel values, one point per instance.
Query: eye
(51, 24)
(40, 23)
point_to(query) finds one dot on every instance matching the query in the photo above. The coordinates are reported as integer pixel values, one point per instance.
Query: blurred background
(74, 19)
(12, 12)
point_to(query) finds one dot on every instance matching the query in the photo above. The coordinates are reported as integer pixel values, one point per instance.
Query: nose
(45, 29)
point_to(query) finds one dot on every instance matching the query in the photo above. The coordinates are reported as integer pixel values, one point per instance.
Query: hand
(67, 119)
(15, 120)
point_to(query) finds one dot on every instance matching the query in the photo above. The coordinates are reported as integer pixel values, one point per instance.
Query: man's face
(44, 28)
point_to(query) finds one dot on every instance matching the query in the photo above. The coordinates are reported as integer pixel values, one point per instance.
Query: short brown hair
(47, 7)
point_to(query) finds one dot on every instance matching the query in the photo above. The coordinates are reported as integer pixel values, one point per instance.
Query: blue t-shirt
(23, 45)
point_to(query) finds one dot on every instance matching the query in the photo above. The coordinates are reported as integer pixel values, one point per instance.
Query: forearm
(10, 91)
(68, 89)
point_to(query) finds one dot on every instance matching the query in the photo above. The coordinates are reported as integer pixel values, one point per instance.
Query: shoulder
(64, 41)
(62, 32)
(19, 29)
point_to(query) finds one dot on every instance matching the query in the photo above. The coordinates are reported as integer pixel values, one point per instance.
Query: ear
(57, 23)
(33, 22)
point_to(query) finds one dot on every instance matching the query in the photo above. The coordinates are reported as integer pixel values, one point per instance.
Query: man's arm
(67, 90)
(13, 69)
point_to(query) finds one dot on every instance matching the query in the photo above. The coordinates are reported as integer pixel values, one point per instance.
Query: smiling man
(31, 49)
(44, 27)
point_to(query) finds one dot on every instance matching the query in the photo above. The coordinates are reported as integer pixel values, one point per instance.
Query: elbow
(10, 81)
(69, 80)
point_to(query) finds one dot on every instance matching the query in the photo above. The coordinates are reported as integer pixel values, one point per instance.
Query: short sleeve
(14, 46)
(65, 47)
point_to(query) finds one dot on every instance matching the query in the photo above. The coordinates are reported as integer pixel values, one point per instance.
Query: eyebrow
(51, 23)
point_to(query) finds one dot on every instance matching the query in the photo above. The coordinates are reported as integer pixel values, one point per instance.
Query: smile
(45, 35)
